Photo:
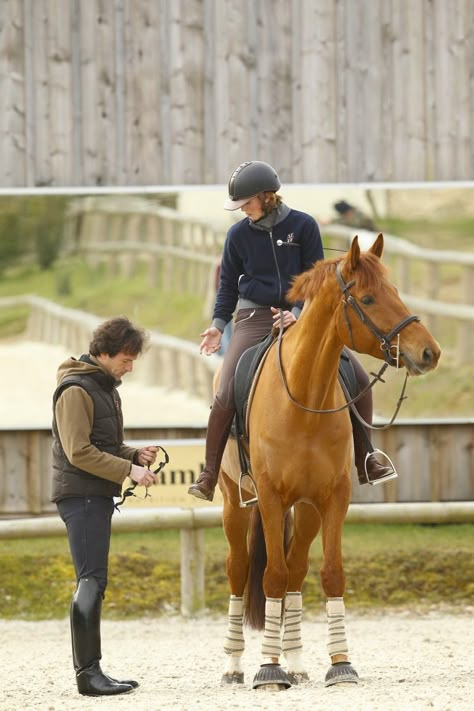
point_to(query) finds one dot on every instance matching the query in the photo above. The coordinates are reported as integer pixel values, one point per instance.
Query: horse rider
(262, 253)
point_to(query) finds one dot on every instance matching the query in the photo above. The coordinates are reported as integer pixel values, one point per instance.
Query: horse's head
(370, 316)
(373, 318)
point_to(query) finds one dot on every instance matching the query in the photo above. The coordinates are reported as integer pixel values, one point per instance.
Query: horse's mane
(369, 274)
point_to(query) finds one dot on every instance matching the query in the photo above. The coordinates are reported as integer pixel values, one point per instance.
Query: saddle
(246, 377)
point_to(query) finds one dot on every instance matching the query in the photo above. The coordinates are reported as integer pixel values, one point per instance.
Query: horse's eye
(367, 300)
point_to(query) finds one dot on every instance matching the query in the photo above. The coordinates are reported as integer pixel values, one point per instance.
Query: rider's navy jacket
(258, 264)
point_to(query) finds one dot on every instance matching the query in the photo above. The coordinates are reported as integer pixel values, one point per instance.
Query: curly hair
(269, 201)
(117, 335)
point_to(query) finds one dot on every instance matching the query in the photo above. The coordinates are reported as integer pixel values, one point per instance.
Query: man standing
(90, 464)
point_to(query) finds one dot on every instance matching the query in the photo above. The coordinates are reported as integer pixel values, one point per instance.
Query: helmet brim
(235, 204)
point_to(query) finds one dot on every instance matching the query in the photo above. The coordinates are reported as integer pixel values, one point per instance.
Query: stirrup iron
(249, 502)
(382, 480)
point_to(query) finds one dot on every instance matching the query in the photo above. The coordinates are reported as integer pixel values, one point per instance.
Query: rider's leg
(368, 468)
(251, 326)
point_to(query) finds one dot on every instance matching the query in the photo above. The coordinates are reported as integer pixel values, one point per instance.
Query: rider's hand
(142, 476)
(288, 318)
(147, 455)
(211, 341)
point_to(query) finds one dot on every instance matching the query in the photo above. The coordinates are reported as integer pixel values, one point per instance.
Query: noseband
(383, 338)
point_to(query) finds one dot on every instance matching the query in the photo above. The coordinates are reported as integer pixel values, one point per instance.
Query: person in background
(262, 254)
(353, 217)
(90, 463)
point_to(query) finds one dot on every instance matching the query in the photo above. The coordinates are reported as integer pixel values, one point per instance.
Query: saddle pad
(244, 374)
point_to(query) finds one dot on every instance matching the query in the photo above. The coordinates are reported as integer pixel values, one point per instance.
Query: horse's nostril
(427, 355)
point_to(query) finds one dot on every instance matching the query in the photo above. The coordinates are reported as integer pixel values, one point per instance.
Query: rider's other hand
(288, 318)
(211, 341)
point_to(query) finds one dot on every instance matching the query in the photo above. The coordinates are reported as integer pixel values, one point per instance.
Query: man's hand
(142, 476)
(147, 455)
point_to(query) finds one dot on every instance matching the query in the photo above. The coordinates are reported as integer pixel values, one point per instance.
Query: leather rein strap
(385, 345)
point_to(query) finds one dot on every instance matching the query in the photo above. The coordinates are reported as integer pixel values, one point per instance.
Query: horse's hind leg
(235, 523)
(306, 526)
(333, 582)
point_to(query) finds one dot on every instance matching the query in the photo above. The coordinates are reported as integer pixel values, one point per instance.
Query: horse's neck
(313, 350)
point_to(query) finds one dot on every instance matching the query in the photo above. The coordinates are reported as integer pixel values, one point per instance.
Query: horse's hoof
(271, 675)
(298, 677)
(232, 678)
(341, 673)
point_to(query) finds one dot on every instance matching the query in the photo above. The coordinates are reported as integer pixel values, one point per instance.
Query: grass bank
(386, 566)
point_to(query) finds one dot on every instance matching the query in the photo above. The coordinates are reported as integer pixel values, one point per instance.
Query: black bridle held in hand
(129, 491)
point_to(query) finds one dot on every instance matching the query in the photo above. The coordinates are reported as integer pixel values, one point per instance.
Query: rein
(385, 345)
(130, 489)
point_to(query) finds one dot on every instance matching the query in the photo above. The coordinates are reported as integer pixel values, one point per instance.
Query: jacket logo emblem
(290, 237)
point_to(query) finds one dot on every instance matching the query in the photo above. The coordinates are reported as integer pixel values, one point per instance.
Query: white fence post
(192, 571)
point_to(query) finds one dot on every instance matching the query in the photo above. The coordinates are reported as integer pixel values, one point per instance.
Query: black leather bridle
(384, 339)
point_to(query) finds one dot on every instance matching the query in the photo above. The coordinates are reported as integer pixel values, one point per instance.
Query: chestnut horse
(300, 445)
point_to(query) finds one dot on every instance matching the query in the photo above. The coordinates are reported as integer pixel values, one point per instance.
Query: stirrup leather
(383, 479)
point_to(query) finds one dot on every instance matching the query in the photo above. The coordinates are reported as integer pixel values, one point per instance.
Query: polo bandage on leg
(337, 642)
(292, 623)
(234, 642)
(271, 646)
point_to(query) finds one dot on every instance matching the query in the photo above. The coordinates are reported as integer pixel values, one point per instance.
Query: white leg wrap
(271, 646)
(292, 623)
(337, 642)
(234, 642)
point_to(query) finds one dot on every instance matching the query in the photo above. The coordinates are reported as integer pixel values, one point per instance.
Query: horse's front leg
(333, 583)
(275, 582)
(235, 524)
(306, 526)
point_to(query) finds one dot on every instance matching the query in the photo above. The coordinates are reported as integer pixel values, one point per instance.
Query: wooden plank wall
(153, 92)
(435, 463)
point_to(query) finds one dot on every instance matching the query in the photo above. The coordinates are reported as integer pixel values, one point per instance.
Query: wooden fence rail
(123, 233)
(435, 460)
(191, 523)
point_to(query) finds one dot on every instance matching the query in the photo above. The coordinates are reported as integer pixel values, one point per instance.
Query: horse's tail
(254, 612)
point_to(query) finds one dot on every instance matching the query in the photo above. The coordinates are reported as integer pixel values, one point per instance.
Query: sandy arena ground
(406, 662)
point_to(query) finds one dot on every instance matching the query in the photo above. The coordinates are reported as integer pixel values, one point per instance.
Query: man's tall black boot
(218, 428)
(85, 615)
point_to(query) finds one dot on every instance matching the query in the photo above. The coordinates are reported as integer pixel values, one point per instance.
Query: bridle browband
(383, 338)
(385, 345)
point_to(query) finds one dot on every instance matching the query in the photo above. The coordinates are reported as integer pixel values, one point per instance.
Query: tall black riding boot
(218, 428)
(369, 470)
(85, 615)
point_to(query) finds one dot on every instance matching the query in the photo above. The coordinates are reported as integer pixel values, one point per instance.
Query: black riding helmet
(248, 180)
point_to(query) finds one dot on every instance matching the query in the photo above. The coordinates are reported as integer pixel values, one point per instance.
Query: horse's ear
(354, 253)
(377, 247)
